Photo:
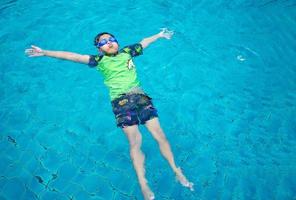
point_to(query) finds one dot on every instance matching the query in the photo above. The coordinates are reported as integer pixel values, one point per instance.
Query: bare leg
(156, 131)
(135, 139)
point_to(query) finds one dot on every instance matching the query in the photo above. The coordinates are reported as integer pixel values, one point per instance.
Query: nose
(110, 43)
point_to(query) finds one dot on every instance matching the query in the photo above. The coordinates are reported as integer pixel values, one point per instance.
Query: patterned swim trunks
(131, 109)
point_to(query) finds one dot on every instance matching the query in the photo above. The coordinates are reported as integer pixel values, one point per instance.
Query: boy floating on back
(130, 104)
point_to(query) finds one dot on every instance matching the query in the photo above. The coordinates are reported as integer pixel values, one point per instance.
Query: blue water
(224, 86)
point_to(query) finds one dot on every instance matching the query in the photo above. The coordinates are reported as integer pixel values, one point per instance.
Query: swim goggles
(105, 41)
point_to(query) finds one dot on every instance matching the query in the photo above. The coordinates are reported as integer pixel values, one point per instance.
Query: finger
(168, 37)
(29, 53)
(28, 50)
(34, 55)
(163, 30)
(169, 32)
(35, 47)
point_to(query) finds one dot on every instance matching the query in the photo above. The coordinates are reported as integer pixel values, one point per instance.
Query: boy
(130, 104)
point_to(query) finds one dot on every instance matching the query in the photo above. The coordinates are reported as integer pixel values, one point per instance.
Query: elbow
(75, 58)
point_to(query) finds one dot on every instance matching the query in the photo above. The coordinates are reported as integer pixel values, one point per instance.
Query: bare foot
(183, 180)
(148, 194)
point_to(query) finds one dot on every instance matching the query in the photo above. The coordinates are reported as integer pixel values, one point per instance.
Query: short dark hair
(97, 38)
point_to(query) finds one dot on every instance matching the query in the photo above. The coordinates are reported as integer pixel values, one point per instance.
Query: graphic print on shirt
(130, 64)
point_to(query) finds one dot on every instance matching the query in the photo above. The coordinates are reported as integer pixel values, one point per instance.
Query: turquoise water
(224, 86)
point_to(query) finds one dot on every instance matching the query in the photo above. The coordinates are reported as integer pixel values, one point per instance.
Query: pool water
(224, 87)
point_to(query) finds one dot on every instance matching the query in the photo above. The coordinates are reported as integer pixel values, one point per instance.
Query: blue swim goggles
(105, 41)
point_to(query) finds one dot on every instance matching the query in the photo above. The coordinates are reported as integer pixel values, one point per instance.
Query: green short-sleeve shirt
(119, 71)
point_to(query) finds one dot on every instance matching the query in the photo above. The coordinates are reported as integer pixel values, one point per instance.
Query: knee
(136, 142)
(135, 149)
(160, 136)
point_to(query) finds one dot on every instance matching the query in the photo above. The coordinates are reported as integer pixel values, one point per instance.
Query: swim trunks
(131, 109)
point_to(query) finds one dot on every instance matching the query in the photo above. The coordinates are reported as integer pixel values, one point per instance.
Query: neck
(110, 54)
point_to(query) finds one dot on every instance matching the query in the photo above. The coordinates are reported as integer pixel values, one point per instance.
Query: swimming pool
(224, 87)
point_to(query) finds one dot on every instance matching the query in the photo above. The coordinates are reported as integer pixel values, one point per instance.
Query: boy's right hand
(34, 51)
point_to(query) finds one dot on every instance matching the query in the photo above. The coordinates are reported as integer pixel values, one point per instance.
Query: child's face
(110, 47)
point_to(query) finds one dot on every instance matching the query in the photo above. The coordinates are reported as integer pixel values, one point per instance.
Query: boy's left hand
(165, 33)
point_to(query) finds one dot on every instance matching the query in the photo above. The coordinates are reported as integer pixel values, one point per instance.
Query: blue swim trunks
(131, 109)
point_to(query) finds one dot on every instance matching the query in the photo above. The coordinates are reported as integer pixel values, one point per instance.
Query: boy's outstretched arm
(165, 33)
(36, 51)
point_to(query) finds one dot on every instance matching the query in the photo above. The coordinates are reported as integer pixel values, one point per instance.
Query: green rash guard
(118, 71)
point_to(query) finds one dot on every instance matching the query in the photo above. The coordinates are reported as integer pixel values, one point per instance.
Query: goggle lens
(105, 41)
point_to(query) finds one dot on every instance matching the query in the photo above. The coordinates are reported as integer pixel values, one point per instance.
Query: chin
(112, 51)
